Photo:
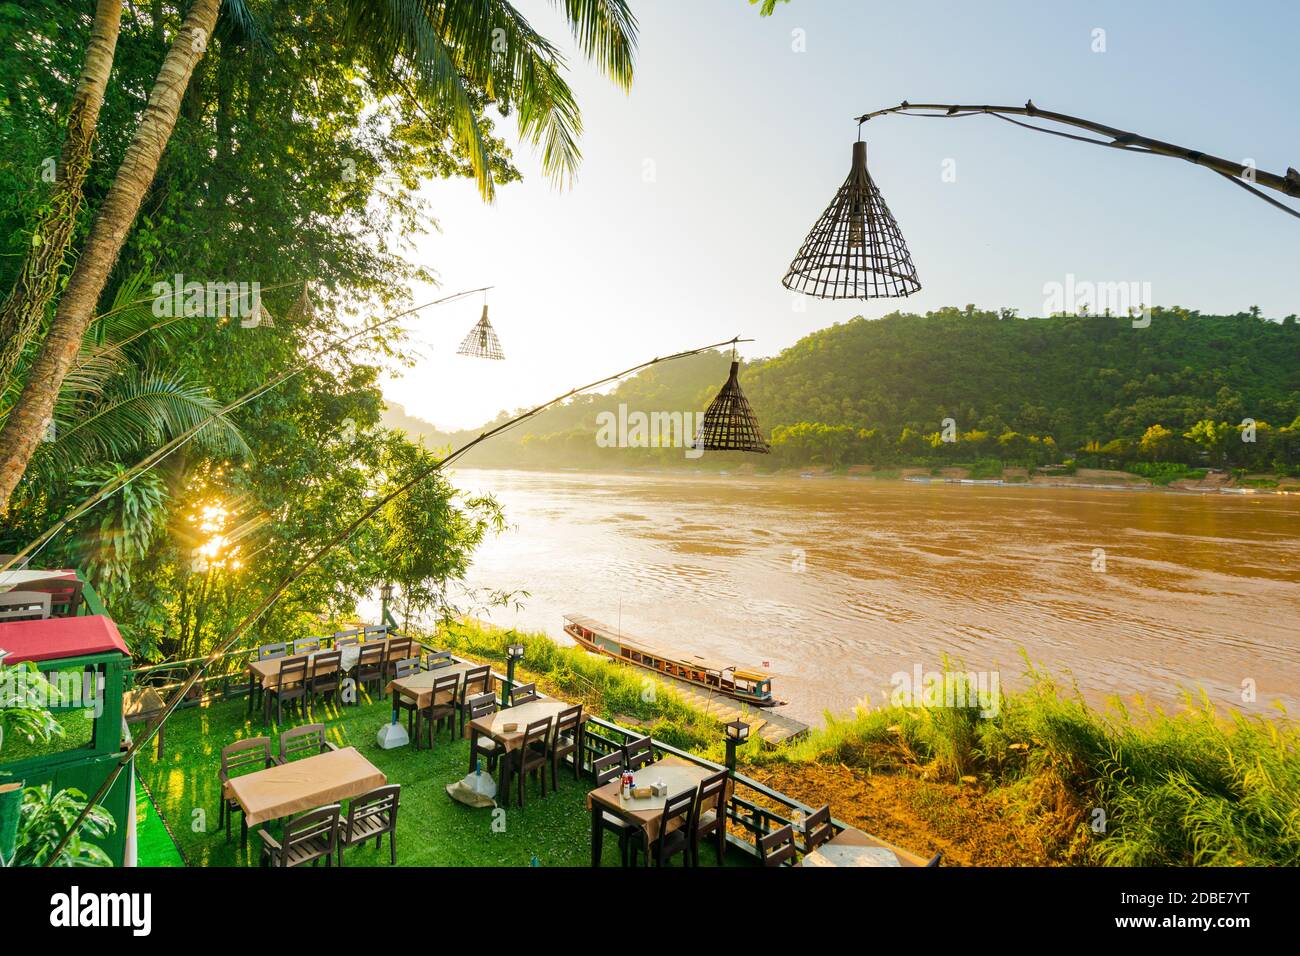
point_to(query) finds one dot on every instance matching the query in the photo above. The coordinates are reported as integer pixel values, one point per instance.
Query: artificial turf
(432, 829)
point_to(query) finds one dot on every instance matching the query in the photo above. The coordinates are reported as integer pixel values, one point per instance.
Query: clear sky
(698, 187)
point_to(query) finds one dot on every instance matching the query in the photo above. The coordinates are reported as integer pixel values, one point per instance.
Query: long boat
(742, 683)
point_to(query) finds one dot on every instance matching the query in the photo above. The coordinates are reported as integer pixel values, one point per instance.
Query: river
(836, 584)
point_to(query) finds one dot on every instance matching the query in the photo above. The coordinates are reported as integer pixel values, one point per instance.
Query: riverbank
(1045, 780)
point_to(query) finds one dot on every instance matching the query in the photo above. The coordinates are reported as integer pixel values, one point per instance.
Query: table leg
(503, 786)
(253, 683)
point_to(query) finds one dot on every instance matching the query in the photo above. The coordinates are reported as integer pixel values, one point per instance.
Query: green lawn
(433, 830)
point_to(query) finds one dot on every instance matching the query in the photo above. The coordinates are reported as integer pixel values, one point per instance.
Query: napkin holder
(642, 793)
(510, 727)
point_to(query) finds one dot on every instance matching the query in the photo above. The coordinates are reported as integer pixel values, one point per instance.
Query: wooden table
(852, 847)
(283, 790)
(522, 715)
(647, 813)
(267, 672)
(419, 688)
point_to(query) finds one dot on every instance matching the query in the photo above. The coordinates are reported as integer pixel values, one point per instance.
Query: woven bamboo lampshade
(729, 423)
(855, 251)
(482, 340)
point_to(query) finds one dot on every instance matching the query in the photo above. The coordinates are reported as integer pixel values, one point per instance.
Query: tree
(443, 49)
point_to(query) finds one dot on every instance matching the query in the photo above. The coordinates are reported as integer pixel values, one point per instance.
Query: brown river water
(837, 584)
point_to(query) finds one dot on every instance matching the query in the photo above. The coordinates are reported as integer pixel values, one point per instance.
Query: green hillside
(968, 386)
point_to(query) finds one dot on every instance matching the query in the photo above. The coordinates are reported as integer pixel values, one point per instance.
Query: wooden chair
(437, 659)
(817, 829)
(24, 606)
(237, 759)
(710, 815)
(269, 652)
(326, 675)
(477, 681)
(397, 649)
(372, 815)
(934, 860)
(603, 770)
(674, 830)
(348, 640)
(306, 645)
(291, 686)
(443, 687)
(531, 755)
(307, 740)
(370, 665)
(638, 753)
(308, 838)
(777, 847)
(482, 705)
(523, 694)
(566, 740)
(374, 632)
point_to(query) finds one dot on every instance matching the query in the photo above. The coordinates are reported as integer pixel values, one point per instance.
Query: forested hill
(1035, 390)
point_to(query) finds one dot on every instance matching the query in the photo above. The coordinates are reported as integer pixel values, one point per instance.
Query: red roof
(59, 637)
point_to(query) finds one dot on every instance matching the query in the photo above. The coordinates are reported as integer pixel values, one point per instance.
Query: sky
(698, 187)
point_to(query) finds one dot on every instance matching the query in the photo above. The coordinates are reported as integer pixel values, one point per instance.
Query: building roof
(60, 637)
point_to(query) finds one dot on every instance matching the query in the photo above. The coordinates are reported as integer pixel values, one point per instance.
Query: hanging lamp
(482, 341)
(729, 422)
(855, 250)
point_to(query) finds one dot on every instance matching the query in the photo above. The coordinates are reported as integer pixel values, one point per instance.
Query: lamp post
(737, 734)
(385, 595)
(514, 654)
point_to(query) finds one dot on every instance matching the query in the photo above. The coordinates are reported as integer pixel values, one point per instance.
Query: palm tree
(26, 303)
(435, 50)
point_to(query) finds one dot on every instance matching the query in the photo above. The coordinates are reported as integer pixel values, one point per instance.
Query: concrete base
(391, 736)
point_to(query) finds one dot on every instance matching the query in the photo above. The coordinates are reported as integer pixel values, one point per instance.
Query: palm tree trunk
(35, 406)
(21, 313)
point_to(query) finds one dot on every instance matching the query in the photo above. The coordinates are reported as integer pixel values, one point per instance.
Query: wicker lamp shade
(482, 340)
(855, 251)
(729, 422)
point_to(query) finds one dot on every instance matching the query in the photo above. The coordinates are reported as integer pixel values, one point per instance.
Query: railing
(748, 815)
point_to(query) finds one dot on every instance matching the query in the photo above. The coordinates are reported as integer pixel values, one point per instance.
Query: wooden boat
(742, 683)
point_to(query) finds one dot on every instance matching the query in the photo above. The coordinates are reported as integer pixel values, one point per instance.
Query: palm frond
(606, 32)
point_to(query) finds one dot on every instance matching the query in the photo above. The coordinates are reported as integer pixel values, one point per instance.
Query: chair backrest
(566, 723)
(481, 705)
(710, 794)
(307, 739)
(344, 635)
(817, 828)
(6, 558)
(679, 807)
(371, 656)
(24, 605)
(777, 846)
(449, 684)
(322, 824)
(306, 645)
(326, 663)
(476, 680)
(522, 694)
(243, 755)
(410, 665)
(638, 753)
(606, 768)
(348, 640)
(437, 659)
(379, 804)
(537, 733)
(934, 860)
(269, 652)
(375, 632)
(399, 648)
(292, 672)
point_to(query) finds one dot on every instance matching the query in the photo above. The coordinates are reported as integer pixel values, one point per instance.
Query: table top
(679, 774)
(420, 686)
(307, 784)
(15, 579)
(852, 847)
(523, 715)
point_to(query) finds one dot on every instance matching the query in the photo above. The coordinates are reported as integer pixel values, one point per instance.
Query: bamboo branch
(1246, 176)
(338, 539)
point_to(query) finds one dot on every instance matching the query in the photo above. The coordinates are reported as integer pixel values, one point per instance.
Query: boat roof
(633, 642)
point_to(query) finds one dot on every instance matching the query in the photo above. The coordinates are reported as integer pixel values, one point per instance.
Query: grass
(433, 830)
